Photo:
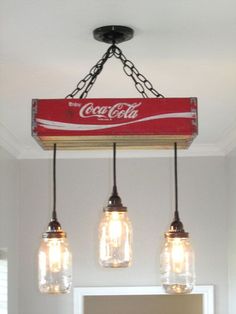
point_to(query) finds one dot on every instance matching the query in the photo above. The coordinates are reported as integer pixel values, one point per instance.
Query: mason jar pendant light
(54, 258)
(115, 230)
(177, 256)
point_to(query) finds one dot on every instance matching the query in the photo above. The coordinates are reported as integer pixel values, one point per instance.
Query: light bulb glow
(115, 237)
(54, 263)
(55, 255)
(177, 266)
(115, 229)
(177, 255)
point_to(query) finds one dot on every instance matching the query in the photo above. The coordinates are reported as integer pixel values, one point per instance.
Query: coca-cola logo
(116, 111)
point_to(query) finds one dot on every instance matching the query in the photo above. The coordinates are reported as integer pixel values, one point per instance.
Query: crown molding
(9, 142)
(227, 142)
(194, 151)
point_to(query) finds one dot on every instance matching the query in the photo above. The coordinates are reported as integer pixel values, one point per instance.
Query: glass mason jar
(54, 265)
(115, 239)
(177, 265)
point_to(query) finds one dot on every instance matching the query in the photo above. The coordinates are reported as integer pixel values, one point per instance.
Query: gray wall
(145, 186)
(9, 222)
(231, 196)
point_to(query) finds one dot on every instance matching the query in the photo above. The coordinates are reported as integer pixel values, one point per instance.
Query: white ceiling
(184, 47)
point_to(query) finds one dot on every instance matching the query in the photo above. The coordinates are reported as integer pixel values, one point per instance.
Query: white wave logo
(117, 111)
(54, 125)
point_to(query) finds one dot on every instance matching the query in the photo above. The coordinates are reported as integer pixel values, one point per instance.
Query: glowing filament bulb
(115, 229)
(55, 266)
(115, 236)
(55, 255)
(178, 255)
(177, 266)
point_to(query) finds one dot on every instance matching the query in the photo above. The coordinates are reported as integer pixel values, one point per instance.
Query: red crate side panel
(94, 117)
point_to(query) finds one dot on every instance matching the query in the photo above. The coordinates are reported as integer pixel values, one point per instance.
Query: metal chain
(141, 83)
(87, 82)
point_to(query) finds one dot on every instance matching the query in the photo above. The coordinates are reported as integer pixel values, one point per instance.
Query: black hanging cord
(115, 202)
(54, 213)
(113, 37)
(114, 170)
(176, 183)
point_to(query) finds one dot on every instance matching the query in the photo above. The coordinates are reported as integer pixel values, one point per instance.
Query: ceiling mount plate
(113, 34)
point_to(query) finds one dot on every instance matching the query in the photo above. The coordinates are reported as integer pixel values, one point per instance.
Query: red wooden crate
(130, 122)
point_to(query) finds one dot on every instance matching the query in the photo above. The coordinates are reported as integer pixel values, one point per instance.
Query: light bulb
(115, 237)
(115, 229)
(177, 265)
(178, 255)
(54, 263)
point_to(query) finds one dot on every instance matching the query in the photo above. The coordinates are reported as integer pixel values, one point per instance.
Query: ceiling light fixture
(82, 123)
(54, 257)
(115, 230)
(177, 257)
